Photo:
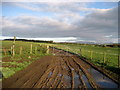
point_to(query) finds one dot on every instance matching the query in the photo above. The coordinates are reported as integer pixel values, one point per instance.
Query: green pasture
(37, 52)
(106, 57)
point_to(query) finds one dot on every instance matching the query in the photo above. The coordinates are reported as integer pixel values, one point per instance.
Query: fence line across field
(90, 51)
(104, 54)
(67, 49)
(5, 50)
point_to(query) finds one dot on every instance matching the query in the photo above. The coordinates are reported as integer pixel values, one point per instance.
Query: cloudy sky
(61, 21)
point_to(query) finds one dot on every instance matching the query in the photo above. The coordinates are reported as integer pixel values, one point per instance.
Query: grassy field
(106, 57)
(12, 64)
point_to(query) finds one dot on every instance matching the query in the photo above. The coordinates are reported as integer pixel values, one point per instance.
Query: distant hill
(29, 40)
(81, 43)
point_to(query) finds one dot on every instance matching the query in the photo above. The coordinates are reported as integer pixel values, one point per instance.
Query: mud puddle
(86, 81)
(50, 74)
(102, 80)
(67, 80)
(76, 80)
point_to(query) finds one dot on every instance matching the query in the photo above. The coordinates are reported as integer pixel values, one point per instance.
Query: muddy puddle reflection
(102, 80)
(76, 80)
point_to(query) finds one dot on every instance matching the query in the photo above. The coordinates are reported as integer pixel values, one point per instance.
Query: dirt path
(63, 70)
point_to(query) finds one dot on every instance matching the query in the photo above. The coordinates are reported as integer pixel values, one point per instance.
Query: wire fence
(99, 58)
(24, 50)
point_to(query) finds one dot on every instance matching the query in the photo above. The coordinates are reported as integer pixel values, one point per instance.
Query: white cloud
(28, 25)
(9, 23)
(66, 21)
(100, 24)
(59, 7)
(109, 36)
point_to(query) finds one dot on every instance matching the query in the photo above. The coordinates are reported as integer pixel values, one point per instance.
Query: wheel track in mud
(56, 69)
(90, 79)
(76, 70)
(85, 72)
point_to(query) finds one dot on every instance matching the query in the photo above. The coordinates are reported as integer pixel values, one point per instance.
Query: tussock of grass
(7, 72)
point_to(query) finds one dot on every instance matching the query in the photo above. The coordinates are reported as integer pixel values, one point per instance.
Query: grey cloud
(94, 26)
(99, 24)
(56, 7)
(35, 27)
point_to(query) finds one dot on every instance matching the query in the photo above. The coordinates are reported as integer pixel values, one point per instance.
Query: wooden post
(35, 50)
(31, 49)
(4, 51)
(118, 61)
(80, 51)
(11, 50)
(47, 49)
(13, 47)
(104, 58)
(40, 45)
(20, 50)
(14, 39)
(91, 54)
(53, 49)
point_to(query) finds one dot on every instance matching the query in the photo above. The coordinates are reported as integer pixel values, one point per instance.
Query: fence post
(118, 61)
(36, 50)
(91, 54)
(13, 47)
(14, 39)
(104, 57)
(20, 50)
(31, 49)
(81, 51)
(11, 50)
(47, 49)
(53, 49)
(4, 51)
(40, 45)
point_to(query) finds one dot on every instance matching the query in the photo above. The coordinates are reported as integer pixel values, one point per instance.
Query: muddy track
(62, 70)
